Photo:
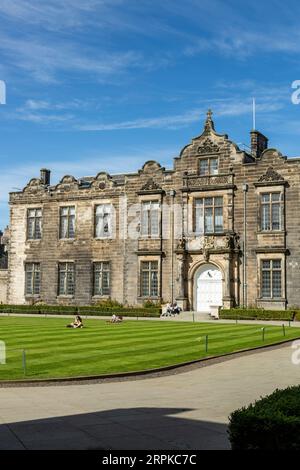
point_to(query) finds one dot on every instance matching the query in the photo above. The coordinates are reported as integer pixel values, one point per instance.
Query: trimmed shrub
(271, 423)
(256, 314)
(93, 310)
(297, 315)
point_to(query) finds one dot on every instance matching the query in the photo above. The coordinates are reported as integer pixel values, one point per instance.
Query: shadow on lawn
(119, 429)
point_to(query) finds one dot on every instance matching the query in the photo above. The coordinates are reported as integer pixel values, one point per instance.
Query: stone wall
(3, 285)
(269, 171)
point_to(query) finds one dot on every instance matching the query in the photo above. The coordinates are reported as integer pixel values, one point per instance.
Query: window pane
(275, 196)
(266, 264)
(64, 227)
(29, 279)
(218, 201)
(265, 217)
(203, 167)
(208, 220)
(275, 216)
(266, 284)
(199, 219)
(71, 233)
(276, 284)
(265, 197)
(208, 201)
(30, 225)
(38, 228)
(154, 284)
(32, 279)
(145, 283)
(213, 166)
(145, 220)
(154, 222)
(276, 264)
(218, 219)
(101, 278)
(64, 211)
(150, 218)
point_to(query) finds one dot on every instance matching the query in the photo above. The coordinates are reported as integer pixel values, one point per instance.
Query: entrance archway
(208, 287)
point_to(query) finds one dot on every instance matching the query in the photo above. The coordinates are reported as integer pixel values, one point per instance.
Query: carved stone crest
(208, 147)
(151, 185)
(270, 176)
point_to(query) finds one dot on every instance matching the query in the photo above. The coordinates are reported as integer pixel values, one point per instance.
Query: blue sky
(108, 84)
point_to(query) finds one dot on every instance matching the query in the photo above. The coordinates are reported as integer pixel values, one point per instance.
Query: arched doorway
(208, 287)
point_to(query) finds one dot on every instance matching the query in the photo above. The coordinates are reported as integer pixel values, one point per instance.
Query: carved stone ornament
(232, 241)
(270, 176)
(181, 244)
(208, 244)
(208, 147)
(151, 185)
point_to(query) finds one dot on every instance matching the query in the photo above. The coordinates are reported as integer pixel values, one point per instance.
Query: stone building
(220, 228)
(4, 242)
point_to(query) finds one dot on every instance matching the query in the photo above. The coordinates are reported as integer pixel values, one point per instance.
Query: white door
(209, 289)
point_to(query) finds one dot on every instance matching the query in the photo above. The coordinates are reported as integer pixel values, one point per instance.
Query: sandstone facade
(207, 232)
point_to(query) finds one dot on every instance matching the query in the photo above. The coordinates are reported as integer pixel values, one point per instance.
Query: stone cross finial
(209, 124)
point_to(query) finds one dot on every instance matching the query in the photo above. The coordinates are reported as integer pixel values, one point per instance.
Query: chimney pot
(259, 143)
(45, 176)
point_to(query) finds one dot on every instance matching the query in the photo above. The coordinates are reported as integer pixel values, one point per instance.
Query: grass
(52, 350)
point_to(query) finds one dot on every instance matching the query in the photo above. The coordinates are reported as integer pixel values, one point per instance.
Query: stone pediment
(151, 167)
(34, 185)
(67, 183)
(102, 181)
(271, 176)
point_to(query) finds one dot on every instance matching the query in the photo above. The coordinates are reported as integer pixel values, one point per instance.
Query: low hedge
(92, 310)
(297, 315)
(271, 423)
(256, 314)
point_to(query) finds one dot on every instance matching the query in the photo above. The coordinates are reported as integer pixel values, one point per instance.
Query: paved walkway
(183, 317)
(183, 411)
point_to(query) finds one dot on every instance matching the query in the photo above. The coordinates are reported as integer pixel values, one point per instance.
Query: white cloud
(232, 106)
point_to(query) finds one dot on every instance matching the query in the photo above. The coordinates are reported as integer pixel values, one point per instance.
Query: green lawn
(52, 350)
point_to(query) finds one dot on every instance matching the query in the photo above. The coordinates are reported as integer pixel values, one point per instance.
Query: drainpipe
(245, 302)
(172, 195)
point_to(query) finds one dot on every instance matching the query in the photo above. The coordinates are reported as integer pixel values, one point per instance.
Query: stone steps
(190, 316)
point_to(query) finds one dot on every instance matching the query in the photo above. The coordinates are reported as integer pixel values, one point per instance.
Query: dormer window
(208, 166)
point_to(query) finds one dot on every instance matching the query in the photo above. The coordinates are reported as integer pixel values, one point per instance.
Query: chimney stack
(259, 143)
(45, 176)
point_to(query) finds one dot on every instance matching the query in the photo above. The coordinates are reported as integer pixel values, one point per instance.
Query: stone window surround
(148, 198)
(32, 296)
(99, 202)
(61, 206)
(265, 257)
(148, 258)
(208, 157)
(28, 207)
(280, 188)
(98, 296)
(189, 211)
(65, 296)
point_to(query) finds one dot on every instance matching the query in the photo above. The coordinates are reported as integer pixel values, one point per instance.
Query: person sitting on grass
(115, 319)
(77, 323)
